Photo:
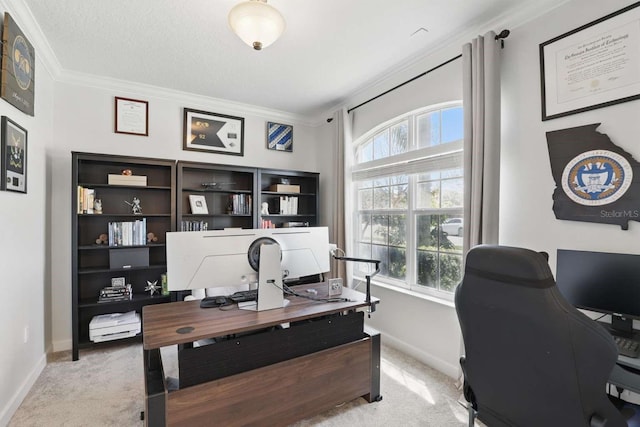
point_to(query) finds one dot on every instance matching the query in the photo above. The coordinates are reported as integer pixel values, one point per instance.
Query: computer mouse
(210, 302)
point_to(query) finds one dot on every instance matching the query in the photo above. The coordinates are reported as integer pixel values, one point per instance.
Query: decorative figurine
(265, 208)
(151, 237)
(102, 239)
(97, 206)
(135, 206)
(152, 287)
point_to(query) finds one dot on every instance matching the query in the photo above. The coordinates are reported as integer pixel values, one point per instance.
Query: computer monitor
(602, 282)
(224, 258)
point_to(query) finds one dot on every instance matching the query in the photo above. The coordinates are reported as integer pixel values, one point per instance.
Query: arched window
(408, 187)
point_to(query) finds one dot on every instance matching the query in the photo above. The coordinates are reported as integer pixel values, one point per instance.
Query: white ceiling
(330, 49)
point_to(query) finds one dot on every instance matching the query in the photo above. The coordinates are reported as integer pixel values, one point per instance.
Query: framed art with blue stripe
(279, 137)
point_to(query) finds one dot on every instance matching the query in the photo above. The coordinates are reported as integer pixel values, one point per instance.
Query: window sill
(409, 292)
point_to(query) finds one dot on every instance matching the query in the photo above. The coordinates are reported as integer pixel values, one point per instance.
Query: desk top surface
(182, 322)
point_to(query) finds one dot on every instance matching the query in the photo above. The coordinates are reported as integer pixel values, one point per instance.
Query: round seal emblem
(597, 178)
(22, 63)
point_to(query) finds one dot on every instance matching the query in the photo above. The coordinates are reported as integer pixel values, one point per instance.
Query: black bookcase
(279, 189)
(228, 193)
(93, 264)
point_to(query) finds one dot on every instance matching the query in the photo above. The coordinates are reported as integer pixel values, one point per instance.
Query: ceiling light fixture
(256, 23)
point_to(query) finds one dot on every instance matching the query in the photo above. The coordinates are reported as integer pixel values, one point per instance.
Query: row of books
(115, 293)
(288, 205)
(194, 226)
(86, 197)
(240, 204)
(128, 233)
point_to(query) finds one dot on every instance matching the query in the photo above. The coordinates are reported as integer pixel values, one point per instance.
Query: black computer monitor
(603, 282)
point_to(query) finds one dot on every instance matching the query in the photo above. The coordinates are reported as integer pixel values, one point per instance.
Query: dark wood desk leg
(374, 395)
(155, 389)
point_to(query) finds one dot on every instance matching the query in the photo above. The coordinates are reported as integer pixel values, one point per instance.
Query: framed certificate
(132, 116)
(593, 66)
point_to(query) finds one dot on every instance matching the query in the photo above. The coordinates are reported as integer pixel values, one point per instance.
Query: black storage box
(129, 257)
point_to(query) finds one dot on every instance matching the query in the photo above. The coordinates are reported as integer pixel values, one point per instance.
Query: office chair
(531, 359)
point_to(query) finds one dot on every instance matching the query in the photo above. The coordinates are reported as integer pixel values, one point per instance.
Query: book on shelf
(137, 180)
(86, 197)
(128, 233)
(288, 205)
(194, 225)
(240, 204)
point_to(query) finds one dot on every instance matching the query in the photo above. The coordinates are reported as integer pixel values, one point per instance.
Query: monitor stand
(270, 292)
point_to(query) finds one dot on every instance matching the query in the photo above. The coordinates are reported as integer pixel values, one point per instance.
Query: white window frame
(415, 160)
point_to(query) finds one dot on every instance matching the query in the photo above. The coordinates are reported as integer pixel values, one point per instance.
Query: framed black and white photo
(198, 204)
(279, 137)
(214, 133)
(14, 156)
(593, 66)
(132, 116)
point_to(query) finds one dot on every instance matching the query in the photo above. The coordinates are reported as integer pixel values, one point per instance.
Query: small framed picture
(132, 116)
(13, 164)
(117, 282)
(279, 137)
(198, 204)
(213, 133)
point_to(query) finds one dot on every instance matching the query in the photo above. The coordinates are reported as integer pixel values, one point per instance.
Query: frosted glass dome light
(256, 23)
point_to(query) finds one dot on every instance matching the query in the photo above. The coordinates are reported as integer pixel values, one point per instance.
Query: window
(408, 188)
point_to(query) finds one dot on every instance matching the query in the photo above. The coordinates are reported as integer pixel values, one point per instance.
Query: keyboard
(627, 347)
(242, 296)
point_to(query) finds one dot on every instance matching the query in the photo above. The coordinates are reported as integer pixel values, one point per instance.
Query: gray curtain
(338, 224)
(481, 102)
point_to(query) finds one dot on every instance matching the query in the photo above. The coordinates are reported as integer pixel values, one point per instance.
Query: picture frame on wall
(13, 166)
(593, 66)
(198, 204)
(279, 137)
(131, 116)
(17, 85)
(213, 133)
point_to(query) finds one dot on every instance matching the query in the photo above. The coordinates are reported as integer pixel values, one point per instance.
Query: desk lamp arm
(372, 307)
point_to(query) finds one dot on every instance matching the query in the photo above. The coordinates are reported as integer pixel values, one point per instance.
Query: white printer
(113, 326)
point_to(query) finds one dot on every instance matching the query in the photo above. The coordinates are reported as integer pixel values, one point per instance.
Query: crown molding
(46, 56)
(445, 49)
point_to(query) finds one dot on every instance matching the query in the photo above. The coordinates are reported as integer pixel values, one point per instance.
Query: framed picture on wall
(279, 137)
(13, 167)
(593, 66)
(18, 67)
(131, 116)
(213, 133)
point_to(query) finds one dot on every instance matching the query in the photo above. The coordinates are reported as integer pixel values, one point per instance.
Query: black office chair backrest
(531, 358)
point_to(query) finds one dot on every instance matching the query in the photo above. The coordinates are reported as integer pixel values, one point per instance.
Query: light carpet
(105, 388)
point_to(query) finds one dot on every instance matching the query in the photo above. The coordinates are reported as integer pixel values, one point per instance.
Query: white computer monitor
(220, 258)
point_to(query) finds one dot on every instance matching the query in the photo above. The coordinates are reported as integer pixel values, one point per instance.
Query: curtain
(481, 103)
(341, 218)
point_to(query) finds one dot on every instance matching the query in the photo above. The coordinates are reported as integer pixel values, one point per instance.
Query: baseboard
(14, 403)
(62, 345)
(448, 369)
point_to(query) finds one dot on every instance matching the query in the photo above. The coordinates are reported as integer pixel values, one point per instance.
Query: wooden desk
(277, 394)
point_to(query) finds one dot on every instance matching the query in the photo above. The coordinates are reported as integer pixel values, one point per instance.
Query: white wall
(527, 186)
(429, 330)
(24, 239)
(84, 121)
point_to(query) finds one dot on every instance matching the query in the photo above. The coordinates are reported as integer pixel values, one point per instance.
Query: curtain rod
(404, 83)
(503, 35)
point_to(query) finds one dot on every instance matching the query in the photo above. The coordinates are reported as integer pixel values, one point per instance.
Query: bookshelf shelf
(91, 263)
